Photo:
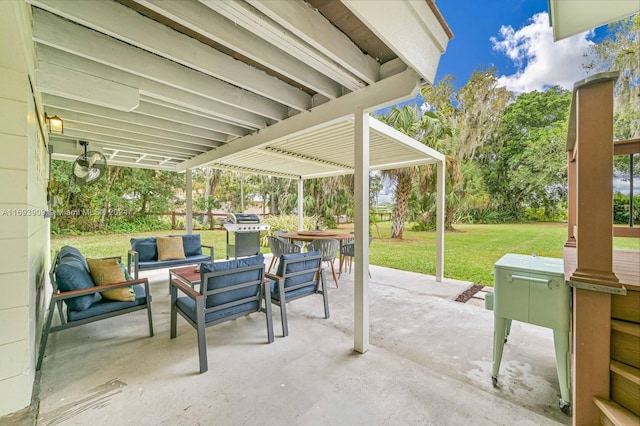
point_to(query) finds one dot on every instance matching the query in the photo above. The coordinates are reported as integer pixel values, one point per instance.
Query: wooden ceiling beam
(309, 25)
(124, 24)
(57, 32)
(151, 89)
(202, 20)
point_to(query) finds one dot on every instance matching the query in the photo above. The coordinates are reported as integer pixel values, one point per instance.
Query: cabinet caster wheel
(565, 407)
(494, 381)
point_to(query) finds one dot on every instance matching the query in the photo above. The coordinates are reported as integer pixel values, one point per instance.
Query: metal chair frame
(279, 247)
(328, 247)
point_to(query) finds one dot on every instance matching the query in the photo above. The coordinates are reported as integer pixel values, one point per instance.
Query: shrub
(621, 208)
(287, 223)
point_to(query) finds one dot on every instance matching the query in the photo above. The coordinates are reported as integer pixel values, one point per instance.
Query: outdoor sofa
(166, 252)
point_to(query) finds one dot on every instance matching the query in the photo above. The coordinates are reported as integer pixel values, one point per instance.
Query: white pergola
(280, 87)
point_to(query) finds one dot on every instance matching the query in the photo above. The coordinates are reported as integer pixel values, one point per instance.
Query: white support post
(440, 213)
(300, 204)
(189, 201)
(361, 283)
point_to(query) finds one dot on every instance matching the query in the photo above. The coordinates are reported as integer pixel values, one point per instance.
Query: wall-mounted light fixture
(54, 124)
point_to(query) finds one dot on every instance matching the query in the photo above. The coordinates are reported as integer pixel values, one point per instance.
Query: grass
(470, 251)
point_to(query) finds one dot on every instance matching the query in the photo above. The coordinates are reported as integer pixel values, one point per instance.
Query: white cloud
(540, 61)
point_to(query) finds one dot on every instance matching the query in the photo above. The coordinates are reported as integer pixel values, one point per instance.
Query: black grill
(243, 218)
(243, 234)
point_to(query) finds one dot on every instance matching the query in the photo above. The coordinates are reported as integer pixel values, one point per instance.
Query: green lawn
(470, 251)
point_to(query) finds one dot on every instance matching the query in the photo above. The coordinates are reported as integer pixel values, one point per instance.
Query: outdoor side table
(532, 289)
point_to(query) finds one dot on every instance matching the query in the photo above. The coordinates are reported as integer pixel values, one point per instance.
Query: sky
(515, 37)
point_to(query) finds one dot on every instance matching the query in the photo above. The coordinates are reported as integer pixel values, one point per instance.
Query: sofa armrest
(99, 289)
(133, 257)
(210, 250)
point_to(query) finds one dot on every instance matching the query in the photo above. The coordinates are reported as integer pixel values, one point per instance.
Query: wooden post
(593, 114)
(594, 171)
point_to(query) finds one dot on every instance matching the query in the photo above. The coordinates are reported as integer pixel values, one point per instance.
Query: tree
(481, 105)
(427, 128)
(620, 51)
(472, 113)
(471, 117)
(123, 195)
(526, 162)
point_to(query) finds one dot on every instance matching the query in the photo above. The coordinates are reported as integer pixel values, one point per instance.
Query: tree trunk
(448, 219)
(212, 178)
(403, 190)
(207, 176)
(274, 208)
(242, 192)
(112, 175)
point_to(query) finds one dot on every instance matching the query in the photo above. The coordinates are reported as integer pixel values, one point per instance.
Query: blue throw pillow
(231, 279)
(147, 248)
(69, 251)
(72, 275)
(192, 244)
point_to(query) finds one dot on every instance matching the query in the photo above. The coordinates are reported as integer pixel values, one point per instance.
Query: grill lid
(243, 218)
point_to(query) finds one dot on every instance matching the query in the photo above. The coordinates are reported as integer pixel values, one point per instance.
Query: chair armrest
(272, 276)
(210, 250)
(99, 289)
(186, 289)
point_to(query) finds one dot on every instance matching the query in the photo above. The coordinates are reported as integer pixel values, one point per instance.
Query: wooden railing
(628, 147)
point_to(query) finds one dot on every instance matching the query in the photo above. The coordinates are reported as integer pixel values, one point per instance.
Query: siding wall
(24, 233)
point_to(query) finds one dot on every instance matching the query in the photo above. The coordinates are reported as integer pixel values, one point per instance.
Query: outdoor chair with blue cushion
(91, 290)
(299, 275)
(228, 290)
(279, 247)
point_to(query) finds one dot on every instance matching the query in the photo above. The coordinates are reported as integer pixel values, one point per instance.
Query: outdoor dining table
(308, 236)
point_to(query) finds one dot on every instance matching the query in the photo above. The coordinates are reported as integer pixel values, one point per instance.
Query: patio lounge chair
(299, 275)
(228, 290)
(90, 295)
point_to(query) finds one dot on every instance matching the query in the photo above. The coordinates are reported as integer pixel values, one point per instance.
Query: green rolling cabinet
(532, 289)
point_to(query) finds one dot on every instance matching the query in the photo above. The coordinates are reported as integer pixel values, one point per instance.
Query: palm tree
(427, 128)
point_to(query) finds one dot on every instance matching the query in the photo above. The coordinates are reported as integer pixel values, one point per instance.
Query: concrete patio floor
(429, 363)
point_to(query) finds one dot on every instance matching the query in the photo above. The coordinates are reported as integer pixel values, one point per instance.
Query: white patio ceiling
(264, 86)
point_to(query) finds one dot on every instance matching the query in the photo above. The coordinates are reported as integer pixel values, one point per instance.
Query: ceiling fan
(88, 167)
